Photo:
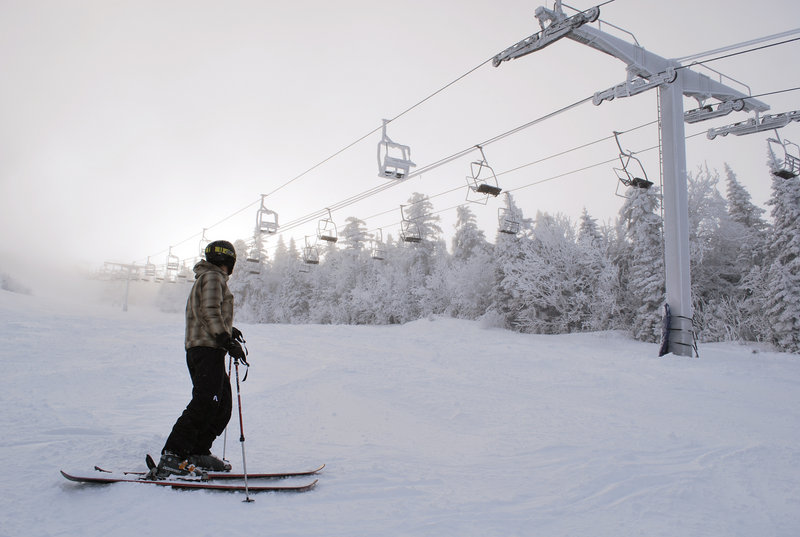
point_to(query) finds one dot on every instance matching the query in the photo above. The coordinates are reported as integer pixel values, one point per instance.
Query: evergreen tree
(468, 239)
(782, 303)
(644, 285)
(740, 206)
(588, 231)
(510, 255)
(713, 247)
(739, 315)
(354, 233)
(468, 278)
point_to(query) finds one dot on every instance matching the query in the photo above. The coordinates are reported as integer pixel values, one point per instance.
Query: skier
(210, 335)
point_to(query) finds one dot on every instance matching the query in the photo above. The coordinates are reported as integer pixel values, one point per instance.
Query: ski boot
(172, 464)
(209, 463)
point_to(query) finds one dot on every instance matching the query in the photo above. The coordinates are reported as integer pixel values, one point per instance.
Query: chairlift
(203, 243)
(310, 253)
(173, 262)
(410, 230)
(184, 274)
(636, 178)
(789, 166)
(507, 221)
(394, 160)
(326, 229)
(266, 220)
(253, 260)
(149, 268)
(481, 180)
(377, 248)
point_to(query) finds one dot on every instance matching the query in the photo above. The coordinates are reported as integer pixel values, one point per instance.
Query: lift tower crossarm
(646, 64)
(560, 25)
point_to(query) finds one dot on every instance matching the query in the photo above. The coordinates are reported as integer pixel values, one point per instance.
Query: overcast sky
(127, 127)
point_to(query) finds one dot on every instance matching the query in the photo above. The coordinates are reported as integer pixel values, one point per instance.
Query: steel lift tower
(646, 70)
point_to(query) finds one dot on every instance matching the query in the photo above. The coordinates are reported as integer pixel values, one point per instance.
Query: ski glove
(236, 334)
(237, 351)
(233, 347)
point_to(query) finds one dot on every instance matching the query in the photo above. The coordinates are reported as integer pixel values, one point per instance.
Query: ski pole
(225, 436)
(241, 432)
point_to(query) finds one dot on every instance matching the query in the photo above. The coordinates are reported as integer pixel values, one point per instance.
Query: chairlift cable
(540, 181)
(499, 137)
(776, 92)
(369, 193)
(739, 45)
(358, 197)
(376, 129)
(754, 49)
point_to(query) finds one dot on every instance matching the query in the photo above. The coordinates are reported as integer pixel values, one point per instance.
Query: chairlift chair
(482, 180)
(203, 243)
(266, 220)
(253, 260)
(310, 253)
(173, 262)
(507, 221)
(637, 178)
(410, 230)
(183, 275)
(326, 229)
(149, 268)
(789, 166)
(377, 248)
(394, 160)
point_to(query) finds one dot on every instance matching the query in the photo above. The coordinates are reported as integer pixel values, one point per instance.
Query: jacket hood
(204, 266)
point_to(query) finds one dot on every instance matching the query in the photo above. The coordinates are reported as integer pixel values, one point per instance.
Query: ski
(231, 475)
(191, 484)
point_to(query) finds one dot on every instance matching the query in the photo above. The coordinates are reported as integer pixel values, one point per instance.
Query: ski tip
(69, 476)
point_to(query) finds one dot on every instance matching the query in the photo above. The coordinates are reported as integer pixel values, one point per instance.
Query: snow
(436, 427)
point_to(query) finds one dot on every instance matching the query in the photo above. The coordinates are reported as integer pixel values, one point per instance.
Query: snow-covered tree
(354, 234)
(509, 260)
(588, 230)
(644, 278)
(782, 302)
(468, 239)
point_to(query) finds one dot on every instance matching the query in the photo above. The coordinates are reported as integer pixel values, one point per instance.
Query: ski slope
(437, 427)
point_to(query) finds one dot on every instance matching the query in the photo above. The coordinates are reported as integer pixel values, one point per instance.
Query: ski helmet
(221, 253)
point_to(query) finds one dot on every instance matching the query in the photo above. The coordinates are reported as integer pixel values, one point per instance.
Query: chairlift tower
(646, 70)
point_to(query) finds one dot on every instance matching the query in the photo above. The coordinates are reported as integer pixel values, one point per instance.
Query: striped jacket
(209, 310)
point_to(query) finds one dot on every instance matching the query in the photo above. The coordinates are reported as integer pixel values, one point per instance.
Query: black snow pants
(209, 411)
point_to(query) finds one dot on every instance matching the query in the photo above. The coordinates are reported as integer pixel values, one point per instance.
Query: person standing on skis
(210, 335)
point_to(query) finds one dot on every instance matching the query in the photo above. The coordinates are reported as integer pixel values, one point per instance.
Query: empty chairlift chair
(203, 243)
(507, 222)
(310, 253)
(788, 154)
(481, 180)
(253, 260)
(326, 229)
(173, 262)
(410, 230)
(266, 220)
(149, 270)
(632, 172)
(377, 248)
(394, 160)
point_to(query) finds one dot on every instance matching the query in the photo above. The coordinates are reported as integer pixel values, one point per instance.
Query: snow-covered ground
(438, 427)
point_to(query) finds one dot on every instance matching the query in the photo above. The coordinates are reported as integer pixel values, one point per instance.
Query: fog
(128, 127)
